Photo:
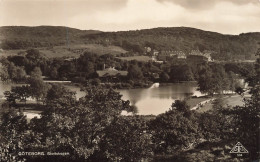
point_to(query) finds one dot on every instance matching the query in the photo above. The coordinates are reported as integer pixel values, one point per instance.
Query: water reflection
(76, 89)
(158, 99)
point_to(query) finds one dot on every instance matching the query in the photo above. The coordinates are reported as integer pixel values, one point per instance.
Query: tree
(66, 70)
(4, 76)
(213, 79)
(21, 92)
(36, 73)
(38, 88)
(8, 70)
(95, 82)
(215, 124)
(10, 97)
(54, 73)
(181, 105)
(232, 80)
(172, 131)
(131, 134)
(164, 77)
(34, 59)
(13, 126)
(59, 94)
(220, 79)
(181, 73)
(79, 126)
(254, 80)
(205, 80)
(134, 73)
(20, 74)
(33, 54)
(89, 69)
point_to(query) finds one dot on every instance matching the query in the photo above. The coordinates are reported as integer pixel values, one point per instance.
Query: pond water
(159, 97)
(154, 100)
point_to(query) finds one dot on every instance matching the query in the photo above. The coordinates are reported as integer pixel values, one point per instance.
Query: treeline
(82, 70)
(93, 129)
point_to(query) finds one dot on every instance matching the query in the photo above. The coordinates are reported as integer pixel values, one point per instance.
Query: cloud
(230, 17)
(224, 17)
(206, 4)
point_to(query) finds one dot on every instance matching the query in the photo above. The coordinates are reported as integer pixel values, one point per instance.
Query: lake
(154, 100)
(159, 97)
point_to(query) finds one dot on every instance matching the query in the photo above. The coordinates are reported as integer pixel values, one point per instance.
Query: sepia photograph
(129, 80)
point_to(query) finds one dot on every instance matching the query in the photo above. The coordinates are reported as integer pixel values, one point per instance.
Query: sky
(223, 16)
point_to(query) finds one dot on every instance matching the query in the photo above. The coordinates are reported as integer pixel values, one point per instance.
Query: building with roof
(111, 74)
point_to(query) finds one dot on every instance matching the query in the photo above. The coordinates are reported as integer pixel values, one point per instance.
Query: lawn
(234, 100)
(229, 100)
(138, 58)
(192, 102)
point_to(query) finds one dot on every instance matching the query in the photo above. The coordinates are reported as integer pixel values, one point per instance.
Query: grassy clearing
(205, 107)
(229, 100)
(99, 49)
(234, 100)
(73, 50)
(194, 101)
(138, 58)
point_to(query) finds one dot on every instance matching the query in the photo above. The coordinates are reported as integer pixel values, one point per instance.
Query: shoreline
(200, 104)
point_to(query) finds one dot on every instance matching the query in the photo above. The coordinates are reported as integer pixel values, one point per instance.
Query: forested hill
(243, 46)
(22, 37)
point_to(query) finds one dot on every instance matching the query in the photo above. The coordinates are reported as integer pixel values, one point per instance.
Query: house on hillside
(111, 74)
(205, 55)
(155, 53)
(181, 55)
(165, 55)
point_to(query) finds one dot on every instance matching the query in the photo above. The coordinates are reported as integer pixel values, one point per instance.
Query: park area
(203, 104)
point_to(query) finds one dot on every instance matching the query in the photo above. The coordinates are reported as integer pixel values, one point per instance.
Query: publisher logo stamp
(239, 149)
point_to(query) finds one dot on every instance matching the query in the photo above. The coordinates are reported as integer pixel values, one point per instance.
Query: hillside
(243, 46)
(22, 37)
(225, 47)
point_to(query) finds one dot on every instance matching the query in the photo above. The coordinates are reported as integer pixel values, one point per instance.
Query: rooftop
(111, 72)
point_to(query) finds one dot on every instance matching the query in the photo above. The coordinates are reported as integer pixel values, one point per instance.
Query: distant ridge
(242, 46)
(41, 32)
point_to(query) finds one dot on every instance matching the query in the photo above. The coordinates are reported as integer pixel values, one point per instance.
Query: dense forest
(21, 37)
(225, 47)
(241, 46)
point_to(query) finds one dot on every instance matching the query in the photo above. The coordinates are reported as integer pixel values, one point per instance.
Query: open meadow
(74, 50)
